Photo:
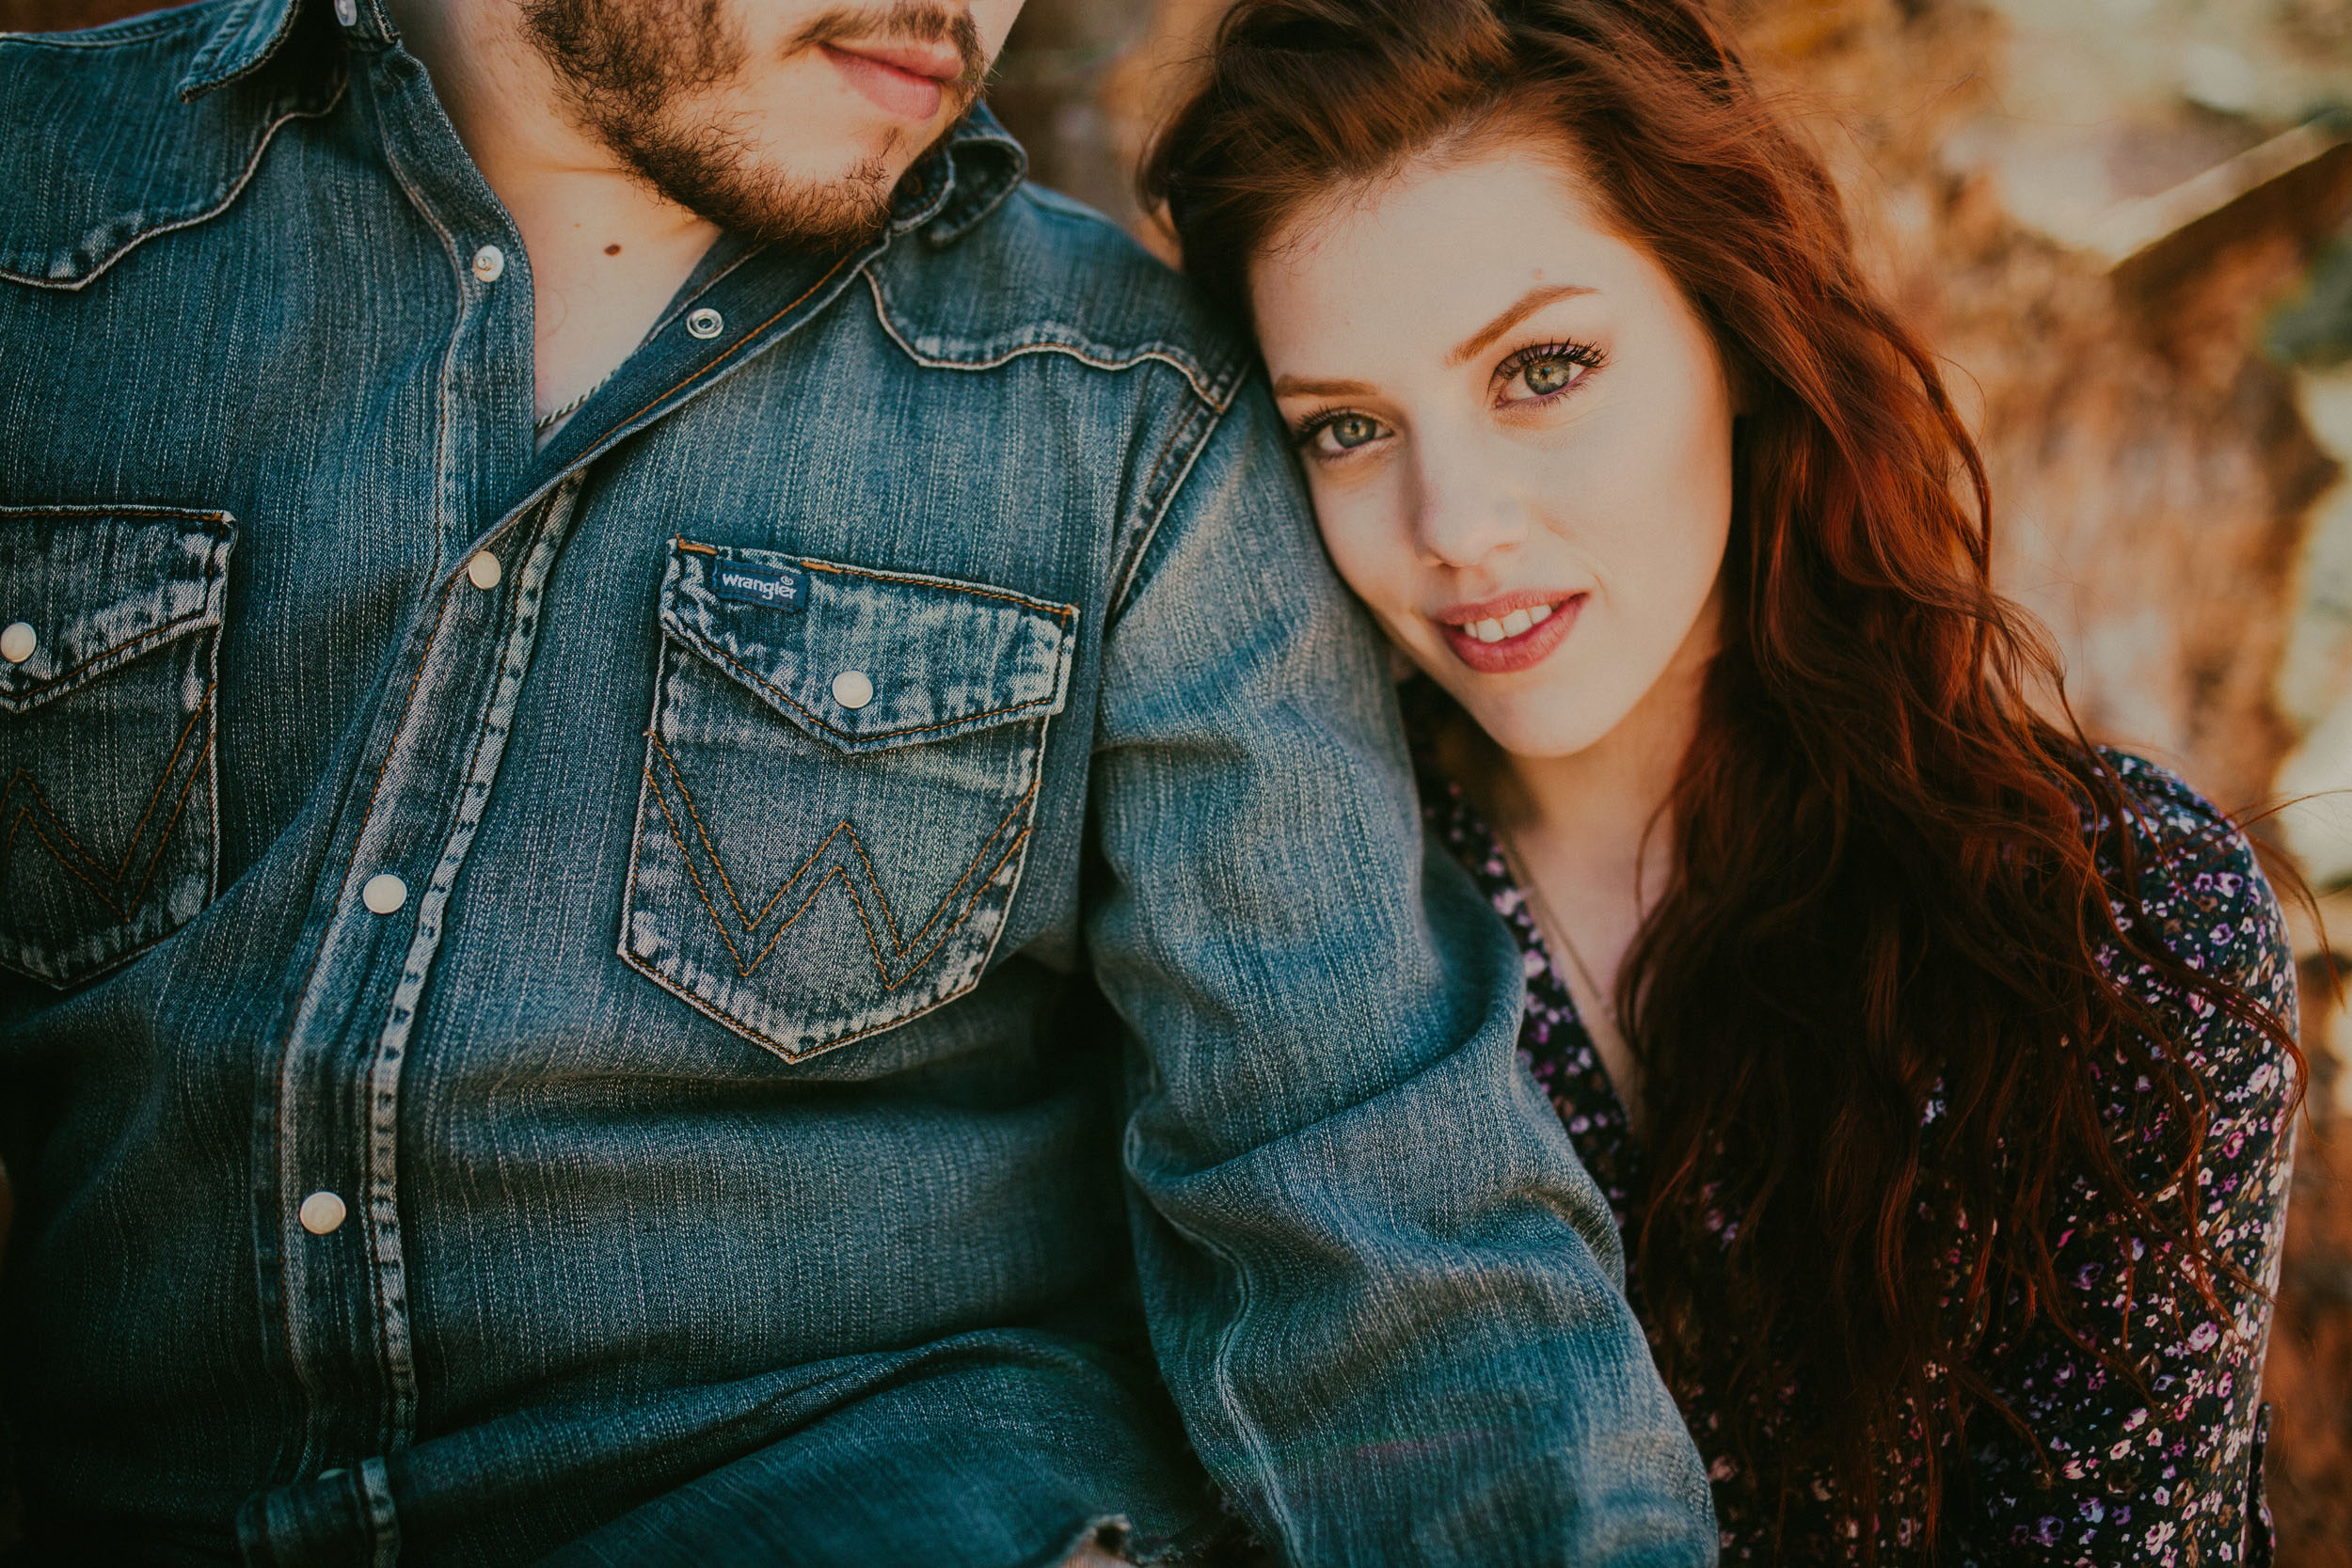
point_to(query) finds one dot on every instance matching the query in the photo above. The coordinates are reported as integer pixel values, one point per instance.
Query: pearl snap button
(704, 322)
(850, 688)
(347, 12)
(321, 1213)
(483, 571)
(489, 263)
(18, 643)
(384, 894)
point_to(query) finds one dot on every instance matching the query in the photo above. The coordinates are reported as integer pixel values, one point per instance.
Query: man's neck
(606, 251)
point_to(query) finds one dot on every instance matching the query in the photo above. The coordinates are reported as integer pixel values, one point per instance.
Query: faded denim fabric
(162, 575)
(912, 762)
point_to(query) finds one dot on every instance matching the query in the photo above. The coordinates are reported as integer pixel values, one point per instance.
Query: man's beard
(630, 69)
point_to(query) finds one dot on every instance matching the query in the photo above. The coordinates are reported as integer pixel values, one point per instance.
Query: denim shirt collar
(252, 33)
(959, 181)
(951, 187)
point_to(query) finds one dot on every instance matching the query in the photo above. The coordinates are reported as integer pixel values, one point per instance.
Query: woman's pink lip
(1514, 653)
(891, 89)
(1500, 606)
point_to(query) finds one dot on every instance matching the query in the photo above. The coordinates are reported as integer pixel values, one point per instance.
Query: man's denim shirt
(536, 976)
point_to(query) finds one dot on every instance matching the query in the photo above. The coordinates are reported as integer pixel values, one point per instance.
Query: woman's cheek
(1374, 566)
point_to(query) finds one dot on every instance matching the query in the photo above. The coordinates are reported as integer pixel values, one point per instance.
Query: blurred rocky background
(2127, 227)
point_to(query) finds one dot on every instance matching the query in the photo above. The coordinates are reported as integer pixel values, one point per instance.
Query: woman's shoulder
(2195, 869)
(2202, 894)
(2170, 816)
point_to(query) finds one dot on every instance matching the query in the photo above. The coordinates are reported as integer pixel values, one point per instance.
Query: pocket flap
(867, 660)
(101, 585)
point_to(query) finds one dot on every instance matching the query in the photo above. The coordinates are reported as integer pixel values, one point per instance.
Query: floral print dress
(2173, 1481)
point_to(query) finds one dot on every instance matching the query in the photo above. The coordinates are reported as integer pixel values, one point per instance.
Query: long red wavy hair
(1886, 859)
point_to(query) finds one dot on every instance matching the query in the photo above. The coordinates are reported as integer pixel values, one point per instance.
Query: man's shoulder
(1043, 274)
(104, 141)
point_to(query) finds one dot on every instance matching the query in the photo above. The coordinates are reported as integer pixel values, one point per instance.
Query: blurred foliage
(2313, 328)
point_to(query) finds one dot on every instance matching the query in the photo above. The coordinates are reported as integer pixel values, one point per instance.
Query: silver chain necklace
(548, 422)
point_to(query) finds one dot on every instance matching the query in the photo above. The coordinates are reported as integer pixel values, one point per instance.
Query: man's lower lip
(889, 88)
(1512, 654)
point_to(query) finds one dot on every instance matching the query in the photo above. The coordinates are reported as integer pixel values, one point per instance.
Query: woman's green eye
(1546, 376)
(1350, 431)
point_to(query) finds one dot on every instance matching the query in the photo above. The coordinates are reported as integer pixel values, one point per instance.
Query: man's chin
(779, 206)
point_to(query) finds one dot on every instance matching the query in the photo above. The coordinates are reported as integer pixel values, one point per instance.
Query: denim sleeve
(1384, 1291)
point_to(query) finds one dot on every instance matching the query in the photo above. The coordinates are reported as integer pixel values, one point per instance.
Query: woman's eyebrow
(1298, 386)
(1520, 309)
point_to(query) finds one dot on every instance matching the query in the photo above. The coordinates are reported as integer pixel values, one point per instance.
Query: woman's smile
(1516, 632)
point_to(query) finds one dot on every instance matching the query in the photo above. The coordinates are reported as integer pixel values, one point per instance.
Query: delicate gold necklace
(1548, 924)
(1622, 1070)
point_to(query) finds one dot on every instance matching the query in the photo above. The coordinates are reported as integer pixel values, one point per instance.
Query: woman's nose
(1466, 511)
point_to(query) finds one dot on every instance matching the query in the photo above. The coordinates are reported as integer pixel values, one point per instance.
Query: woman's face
(1516, 432)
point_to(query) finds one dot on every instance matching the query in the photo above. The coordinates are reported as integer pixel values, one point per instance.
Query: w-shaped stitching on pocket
(32, 806)
(824, 866)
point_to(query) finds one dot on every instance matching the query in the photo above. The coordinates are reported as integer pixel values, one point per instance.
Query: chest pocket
(840, 776)
(108, 671)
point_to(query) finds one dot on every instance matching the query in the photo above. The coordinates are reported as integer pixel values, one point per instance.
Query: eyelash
(1303, 437)
(1591, 359)
(1586, 354)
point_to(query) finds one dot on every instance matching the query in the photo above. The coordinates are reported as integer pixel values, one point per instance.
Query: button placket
(328, 1121)
(418, 773)
(440, 740)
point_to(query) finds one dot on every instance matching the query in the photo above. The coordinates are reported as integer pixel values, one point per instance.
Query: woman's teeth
(1511, 625)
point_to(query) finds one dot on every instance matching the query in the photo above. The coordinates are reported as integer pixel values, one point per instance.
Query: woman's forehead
(1432, 248)
(1481, 176)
